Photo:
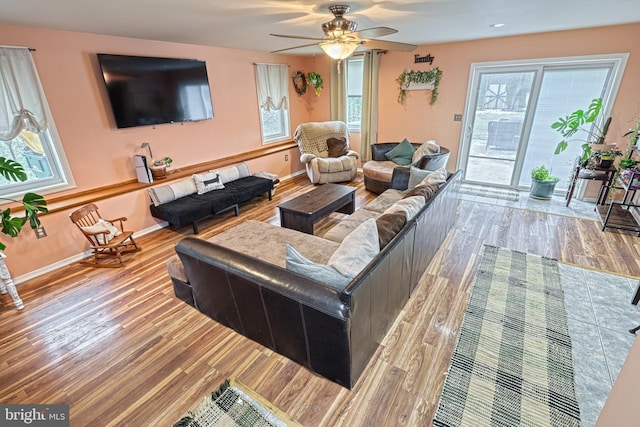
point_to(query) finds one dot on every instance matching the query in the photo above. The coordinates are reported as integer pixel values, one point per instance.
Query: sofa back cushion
(356, 250)
(421, 176)
(429, 147)
(322, 273)
(170, 192)
(410, 206)
(233, 172)
(389, 225)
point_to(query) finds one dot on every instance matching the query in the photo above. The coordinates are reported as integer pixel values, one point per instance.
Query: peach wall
(419, 121)
(100, 155)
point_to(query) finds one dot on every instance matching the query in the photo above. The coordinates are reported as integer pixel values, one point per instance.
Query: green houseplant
(587, 123)
(606, 157)
(315, 80)
(33, 203)
(542, 183)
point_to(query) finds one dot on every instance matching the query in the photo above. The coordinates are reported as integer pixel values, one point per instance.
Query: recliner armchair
(314, 152)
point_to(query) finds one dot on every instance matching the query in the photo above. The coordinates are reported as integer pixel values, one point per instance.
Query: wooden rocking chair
(107, 241)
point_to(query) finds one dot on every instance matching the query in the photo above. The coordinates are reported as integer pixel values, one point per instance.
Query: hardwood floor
(120, 349)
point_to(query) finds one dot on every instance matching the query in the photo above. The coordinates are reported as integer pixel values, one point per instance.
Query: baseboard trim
(79, 257)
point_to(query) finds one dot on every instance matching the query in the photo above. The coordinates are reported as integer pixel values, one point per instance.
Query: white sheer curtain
(21, 98)
(369, 117)
(272, 85)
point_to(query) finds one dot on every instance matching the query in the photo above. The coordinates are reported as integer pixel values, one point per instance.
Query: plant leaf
(11, 226)
(12, 170)
(562, 145)
(34, 204)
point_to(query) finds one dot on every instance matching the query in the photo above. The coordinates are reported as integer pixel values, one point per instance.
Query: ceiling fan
(341, 38)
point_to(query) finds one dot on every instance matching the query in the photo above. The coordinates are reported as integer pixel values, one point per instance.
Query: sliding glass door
(510, 108)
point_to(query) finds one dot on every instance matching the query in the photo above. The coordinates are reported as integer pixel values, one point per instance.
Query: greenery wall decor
(315, 80)
(432, 76)
(32, 203)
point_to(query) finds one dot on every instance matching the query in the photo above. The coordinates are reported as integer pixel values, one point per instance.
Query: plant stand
(7, 285)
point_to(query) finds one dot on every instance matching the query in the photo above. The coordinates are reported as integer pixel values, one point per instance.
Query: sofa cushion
(338, 232)
(233, 172)
(356, 250)
(418, 176)
(170, 192)
(384, 200)
(182, 211)
(389, 225)
(379, 170)
(267, 242)
(402, 153)
(319, 272)
(429, 147)
(426, 191)
(438, 176)
(337, 147)
(207, 181)
(409, 206)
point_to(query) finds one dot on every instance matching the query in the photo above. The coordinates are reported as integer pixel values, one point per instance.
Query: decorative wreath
(299, 82)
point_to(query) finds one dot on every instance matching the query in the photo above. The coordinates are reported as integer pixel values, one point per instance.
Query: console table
(7, 285)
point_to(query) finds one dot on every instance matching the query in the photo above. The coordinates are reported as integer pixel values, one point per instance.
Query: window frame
(284, 112)
(62, 178)
(354, 126)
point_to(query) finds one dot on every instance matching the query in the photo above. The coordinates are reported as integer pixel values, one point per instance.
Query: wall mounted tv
(148, 91)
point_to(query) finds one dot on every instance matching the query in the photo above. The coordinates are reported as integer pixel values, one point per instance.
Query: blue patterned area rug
(512, 364)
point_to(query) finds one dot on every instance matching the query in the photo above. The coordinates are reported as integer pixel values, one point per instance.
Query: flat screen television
(148, 91)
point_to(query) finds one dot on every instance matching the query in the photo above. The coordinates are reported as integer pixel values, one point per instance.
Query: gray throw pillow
(416, 175)
(319, 272)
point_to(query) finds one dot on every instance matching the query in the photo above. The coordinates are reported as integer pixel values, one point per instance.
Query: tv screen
(148, 91)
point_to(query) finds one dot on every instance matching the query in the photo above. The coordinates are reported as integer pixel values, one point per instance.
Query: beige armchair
(340, 166)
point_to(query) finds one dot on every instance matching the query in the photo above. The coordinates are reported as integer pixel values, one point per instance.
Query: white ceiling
(246, 24)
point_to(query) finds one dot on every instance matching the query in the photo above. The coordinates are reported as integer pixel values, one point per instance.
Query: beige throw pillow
(438, 176)
(207, 181)
(356, 250)
(429, 147)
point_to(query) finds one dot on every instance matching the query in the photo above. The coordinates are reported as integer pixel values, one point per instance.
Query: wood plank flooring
(120, 349)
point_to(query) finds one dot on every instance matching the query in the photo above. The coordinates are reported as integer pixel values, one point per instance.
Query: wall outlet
(286, 157)
(40, 233)
(457, 117)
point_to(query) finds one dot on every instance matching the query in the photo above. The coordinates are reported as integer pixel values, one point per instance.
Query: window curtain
(272, 85)
(369, 118)
(339, 92)
(21, 97)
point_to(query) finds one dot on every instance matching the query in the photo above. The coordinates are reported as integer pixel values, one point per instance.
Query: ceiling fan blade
(299, 37)
(370, 33)
(387, 45)
(295, 47)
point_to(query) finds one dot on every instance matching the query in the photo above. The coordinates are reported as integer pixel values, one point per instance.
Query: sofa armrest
(379, 150)
(307, 157)
(353, 153)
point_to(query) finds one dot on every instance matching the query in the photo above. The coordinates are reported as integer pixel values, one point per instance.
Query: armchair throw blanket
(316, 154)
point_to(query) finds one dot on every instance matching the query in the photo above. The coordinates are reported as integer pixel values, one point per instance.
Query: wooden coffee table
(303, 211)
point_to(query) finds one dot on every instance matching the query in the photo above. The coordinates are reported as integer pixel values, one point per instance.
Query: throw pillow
(416, 175)
(207, 181)
(102, 226)
(438, 176)
(426, 191)
(357, 249)
(170, 192)
(388, 226)
(297, 263)
(337, 147)
(429, 147)
(402, 153)
(409, 206)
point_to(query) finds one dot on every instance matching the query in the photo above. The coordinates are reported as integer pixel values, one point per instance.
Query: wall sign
(418, 59)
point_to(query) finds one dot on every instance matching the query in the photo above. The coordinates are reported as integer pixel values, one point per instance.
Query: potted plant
(315, 80)
(542, 183)
(33, 203)
(606, 157)
(588, 123)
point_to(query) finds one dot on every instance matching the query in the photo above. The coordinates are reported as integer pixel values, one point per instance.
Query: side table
(7, 285)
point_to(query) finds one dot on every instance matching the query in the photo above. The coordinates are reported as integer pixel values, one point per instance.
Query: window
(27, 131)
(272, 82)
(354, 92)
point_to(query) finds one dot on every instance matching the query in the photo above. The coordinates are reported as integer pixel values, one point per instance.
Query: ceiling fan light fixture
(339, 50)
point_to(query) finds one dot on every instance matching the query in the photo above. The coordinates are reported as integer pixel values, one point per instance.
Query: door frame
(617, 61)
